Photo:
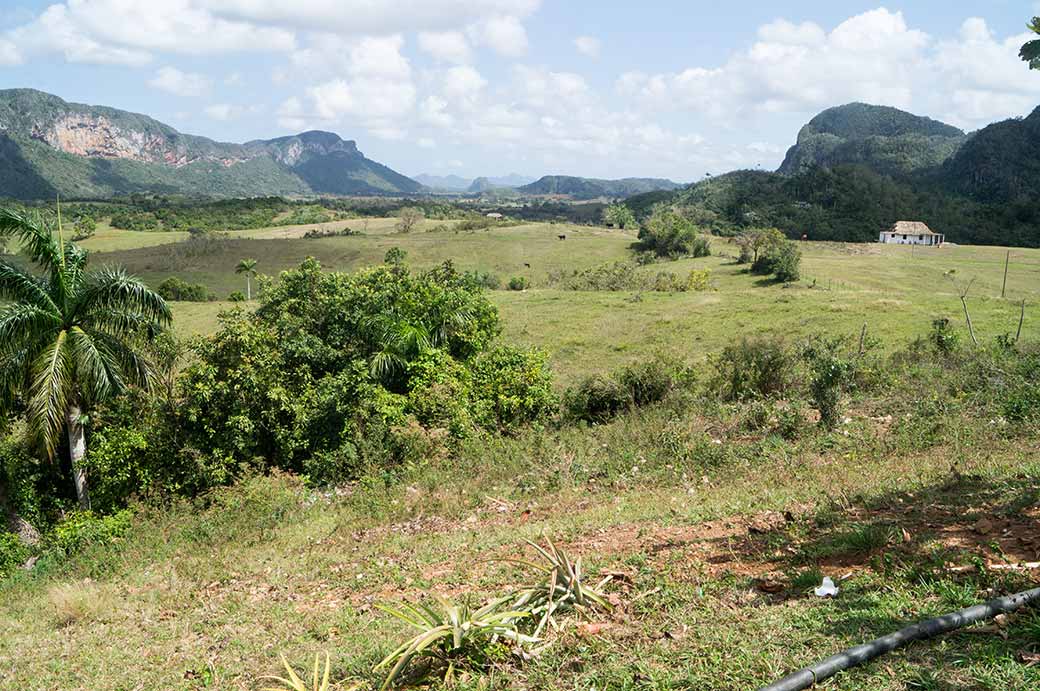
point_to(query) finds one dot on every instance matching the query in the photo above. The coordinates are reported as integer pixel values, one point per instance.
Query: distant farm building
(494, 215)
(911, 233)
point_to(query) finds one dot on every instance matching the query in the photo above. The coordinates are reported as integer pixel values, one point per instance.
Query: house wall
(907, 239)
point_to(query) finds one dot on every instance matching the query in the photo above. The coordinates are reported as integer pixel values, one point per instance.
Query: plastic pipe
(847, 659)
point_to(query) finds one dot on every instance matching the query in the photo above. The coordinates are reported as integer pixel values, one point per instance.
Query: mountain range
(49, 146)
(856, 169)
(592, 188)
(458, 184)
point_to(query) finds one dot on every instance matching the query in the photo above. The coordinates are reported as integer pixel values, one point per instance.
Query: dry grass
(78, 602)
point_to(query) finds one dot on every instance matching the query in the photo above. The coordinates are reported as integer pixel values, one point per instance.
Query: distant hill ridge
(49, 146)
(856, 169)
(591, 188)
(886, 139)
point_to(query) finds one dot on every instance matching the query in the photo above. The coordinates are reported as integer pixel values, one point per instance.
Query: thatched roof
(910, 228)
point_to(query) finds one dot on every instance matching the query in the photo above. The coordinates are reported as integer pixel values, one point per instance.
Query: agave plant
(562, 588)
(451, 631)
(295, 683)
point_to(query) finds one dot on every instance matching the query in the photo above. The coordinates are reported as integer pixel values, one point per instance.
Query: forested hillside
(857, 169)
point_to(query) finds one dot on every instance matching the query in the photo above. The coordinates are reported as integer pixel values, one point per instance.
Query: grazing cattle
(562, 237)
(527, 265)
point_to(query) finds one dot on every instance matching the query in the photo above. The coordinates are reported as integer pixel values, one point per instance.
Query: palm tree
(1031, 51)
(68, 337)
(247, 267)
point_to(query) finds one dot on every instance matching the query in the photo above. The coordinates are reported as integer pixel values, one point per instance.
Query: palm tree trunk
(249, 288)
(77, 449)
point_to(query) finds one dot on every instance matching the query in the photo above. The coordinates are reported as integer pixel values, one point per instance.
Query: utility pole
(1007, 260)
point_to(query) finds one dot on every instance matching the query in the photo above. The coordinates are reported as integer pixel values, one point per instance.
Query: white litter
(827, 588)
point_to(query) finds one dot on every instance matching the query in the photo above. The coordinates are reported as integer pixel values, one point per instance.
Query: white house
(911, 233)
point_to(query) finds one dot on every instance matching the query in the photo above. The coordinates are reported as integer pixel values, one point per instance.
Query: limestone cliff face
(48, 146)
(97, 136)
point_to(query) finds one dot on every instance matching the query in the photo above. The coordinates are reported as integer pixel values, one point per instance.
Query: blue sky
(484, 87)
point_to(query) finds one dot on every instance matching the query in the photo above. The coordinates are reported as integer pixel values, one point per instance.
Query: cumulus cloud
(121, 32)
(174, 81)
(505, 35)
(9, 53)
(588, 45)
(367, 17)
(874, 57)
(446, 46)
(225, 112)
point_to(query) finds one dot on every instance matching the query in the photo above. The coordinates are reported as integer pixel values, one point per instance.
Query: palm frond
(112, 288)
(133, 368)
(20, 321)
(35, 236)
(18, 285)
(96, 367)
(50, 391)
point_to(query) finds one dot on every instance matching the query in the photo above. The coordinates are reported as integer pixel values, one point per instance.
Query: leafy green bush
(484, 279)
(118, 466)
(338, 372)
(12, 554)
(753, 367)
(82, 529)
(943, 337)
(670, 234)
(519, 283)
(597, 399)
(648, 381)
(831, 372)
(783, 260)
(236, 296)
(178, 290)
(512, 387)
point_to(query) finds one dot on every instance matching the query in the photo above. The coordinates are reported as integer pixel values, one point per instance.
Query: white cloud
(126, 32)
(588, 45)
(463, 82)
(174, 81)
(874, 57)
(426, 143)
(505, 35)
(225, 111)
(9, 53)
(234, 79)
(447, 46)
(369, 17)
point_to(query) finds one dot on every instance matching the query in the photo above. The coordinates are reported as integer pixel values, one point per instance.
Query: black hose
(825, 669)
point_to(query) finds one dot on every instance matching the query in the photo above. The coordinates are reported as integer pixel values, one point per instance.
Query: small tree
(85, 227)
(247, 267)
(1031, 50)
(620, 216)
(395, 255)
(830, 375)
(408, 218)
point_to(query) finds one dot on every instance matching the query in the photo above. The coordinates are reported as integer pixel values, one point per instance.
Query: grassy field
(713, 565)
(714, 531)
(894, 290)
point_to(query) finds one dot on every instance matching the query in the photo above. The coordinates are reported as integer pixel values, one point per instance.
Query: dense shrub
(178, 290)
(333, 372)
(943, 337)
(82, 529)
(831, 373)
(648, 381)
(512, 387)
(484, 279)
(599, 398)
(753, 367)
(12, 553)
(783, 260)
(519, 283)
(670, 234)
